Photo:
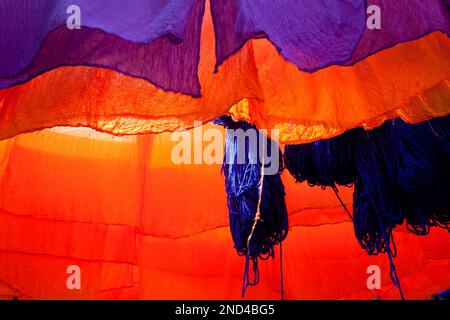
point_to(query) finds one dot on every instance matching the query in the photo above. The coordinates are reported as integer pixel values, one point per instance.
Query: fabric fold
(316, 34)
(256, 84)
(156, 41)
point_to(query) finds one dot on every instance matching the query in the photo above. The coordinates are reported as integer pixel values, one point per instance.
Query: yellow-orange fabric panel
(410, 80)
(140, 226)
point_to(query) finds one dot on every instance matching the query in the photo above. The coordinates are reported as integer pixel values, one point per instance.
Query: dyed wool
(401, 174)
(257, 213)
(325, 162)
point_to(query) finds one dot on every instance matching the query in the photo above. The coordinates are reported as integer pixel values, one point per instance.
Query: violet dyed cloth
(159, 40)
(314, 34)
(152, 39)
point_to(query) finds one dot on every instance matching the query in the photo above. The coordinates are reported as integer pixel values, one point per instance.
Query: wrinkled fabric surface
(141, 227)
(304, 107)
(316, 34)
(311, 34)
(154, 40)
(119, 72)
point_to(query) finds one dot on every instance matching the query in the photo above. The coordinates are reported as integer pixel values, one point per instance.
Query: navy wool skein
(325, 162)
(242, 184)
(401, 174)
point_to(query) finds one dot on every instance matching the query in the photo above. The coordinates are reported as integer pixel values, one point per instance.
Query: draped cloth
(309, 68)
(139, 226)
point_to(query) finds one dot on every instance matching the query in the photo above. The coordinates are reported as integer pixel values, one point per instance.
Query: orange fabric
(410, 80)
(141, 227)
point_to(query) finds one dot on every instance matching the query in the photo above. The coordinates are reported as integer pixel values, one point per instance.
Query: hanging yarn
(401, 173)
(377, 208)
(325, 162)
(424, 172)
(257, 210)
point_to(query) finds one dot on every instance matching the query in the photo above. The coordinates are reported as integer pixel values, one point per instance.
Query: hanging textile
(257, 209)
(401, 174)
(401, 170)
(148, 66)
(175, 235)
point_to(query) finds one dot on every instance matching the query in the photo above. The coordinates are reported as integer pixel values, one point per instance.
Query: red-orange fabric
(141, 227)
(410, 80)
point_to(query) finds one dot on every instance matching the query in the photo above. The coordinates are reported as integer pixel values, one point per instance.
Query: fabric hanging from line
(153, 40)
(256, 83)
(91, 85)
(257, 210)
(175, 235)
(304, 32)
(167, 35)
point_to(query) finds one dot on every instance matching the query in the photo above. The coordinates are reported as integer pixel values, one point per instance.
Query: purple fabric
(159, 40)
(155, 40)
(403, 20)
(314, 34)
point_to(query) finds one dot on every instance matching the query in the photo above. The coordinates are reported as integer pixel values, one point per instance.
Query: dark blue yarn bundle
(242, 183)
(323, 163)
(401, 173)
